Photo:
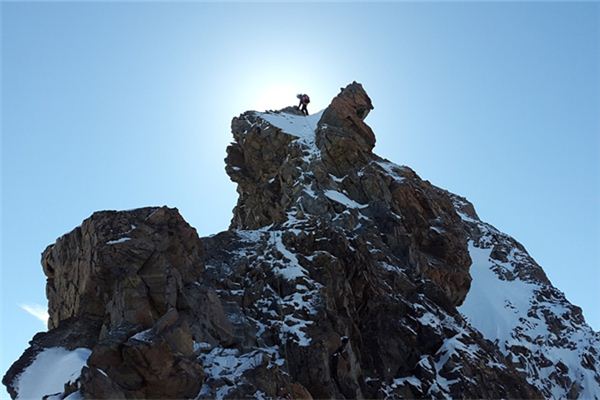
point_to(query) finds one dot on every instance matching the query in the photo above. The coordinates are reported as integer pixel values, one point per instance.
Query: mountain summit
(342, 275)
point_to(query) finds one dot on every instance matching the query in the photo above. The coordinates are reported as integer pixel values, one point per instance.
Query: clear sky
(118, 106)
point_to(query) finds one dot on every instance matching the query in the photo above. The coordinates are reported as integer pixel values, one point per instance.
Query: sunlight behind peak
(277, 96)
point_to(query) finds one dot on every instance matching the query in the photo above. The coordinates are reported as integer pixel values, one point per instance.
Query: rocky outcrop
(120, 282)
(342, 275)
(122, 267)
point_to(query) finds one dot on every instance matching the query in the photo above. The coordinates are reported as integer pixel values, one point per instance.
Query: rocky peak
(342, 275)
(296, 171)
(273, 151)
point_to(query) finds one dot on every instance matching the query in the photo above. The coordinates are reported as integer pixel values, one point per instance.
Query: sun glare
(275, 97)
(277, 90)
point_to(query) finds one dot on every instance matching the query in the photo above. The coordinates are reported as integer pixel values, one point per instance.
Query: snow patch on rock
(49, 371)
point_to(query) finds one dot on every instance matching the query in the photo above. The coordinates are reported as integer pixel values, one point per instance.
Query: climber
(304, 100)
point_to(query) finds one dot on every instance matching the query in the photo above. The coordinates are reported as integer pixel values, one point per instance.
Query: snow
(494, 306)
(250, 236)
(343, 199)
(455, 345)
(121, 240)
(437, 229)
(336, 179)
(49, 371)
(297, 306)
(293, 326)
(510, 313)
(412, 380)
(458, 205)
(297, 125)
(465, 217)
(199, 346)
(296, 298)
(260, 395)
(144, 336)
(303, 127)
(389, 267)
(222, 362)
(293, 269)
(227, 364)
(73, 396)
(309, 191)
(392, 169)
(429, 319)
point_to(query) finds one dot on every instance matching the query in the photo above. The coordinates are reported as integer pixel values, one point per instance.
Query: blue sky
(118, 106)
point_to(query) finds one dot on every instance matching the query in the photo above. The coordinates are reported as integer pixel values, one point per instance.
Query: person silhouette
(304, 100)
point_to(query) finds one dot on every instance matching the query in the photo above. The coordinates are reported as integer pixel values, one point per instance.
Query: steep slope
(512, 302)
(339, 277)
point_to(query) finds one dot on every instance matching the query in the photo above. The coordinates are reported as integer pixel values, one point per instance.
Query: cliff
(342, 275)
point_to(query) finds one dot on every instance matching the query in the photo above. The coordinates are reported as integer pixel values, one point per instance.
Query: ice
(49, 371)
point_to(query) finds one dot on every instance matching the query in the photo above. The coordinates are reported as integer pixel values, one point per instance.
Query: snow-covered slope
(51, 369)
(513, 304)
(302, 126)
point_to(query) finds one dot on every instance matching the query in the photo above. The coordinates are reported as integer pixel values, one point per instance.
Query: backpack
(305, 99)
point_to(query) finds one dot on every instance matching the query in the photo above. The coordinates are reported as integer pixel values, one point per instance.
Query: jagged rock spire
(274, 151)
(344, 138)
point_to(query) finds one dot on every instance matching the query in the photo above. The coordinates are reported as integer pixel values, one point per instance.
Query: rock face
(342, 275)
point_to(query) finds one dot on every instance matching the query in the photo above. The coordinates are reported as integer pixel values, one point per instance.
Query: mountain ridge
(342, 275)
